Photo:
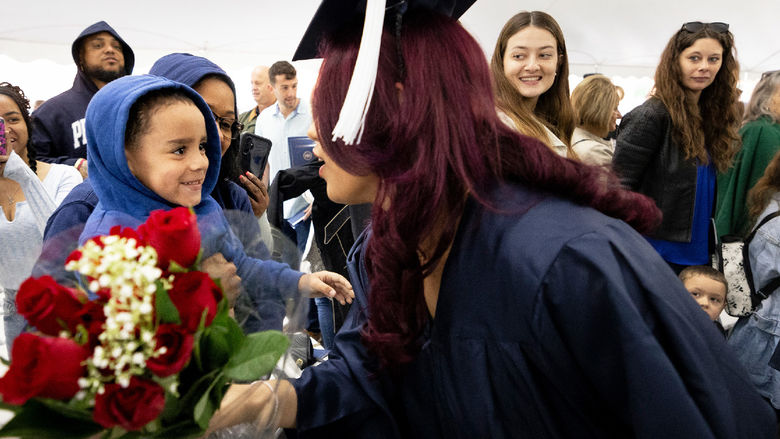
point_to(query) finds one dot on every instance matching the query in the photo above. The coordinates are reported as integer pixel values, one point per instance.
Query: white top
(22, 238)
(272, 125)
(592, 149)
(553, 141)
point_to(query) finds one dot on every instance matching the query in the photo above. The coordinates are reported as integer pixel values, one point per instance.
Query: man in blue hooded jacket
(101, 56)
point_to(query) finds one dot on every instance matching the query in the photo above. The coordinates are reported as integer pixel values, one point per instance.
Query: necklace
(12, 197)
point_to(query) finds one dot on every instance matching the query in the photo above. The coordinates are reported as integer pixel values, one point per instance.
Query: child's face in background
(709, 293)
(170, 157)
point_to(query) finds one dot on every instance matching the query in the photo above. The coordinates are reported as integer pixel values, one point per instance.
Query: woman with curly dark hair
(670, 147)
(499, 291)
(29, 193)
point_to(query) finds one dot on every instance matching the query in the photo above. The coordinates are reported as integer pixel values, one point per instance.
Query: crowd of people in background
(520, 258)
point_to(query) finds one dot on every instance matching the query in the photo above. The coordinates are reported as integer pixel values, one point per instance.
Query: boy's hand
(326, 284)
(218, 268)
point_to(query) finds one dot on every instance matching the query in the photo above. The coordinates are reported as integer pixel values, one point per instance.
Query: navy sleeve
(63, 229)
(46, 147)
(340, 397)
(611, 309)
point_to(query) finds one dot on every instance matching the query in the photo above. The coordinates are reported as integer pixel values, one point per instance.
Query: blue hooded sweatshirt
(73, 212)
(125, 201)
(58, 124)
(189, 70)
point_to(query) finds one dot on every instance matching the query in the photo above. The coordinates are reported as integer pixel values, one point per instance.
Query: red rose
(127, 233)
(131, 408)
(43, 366)
(48, 306)
(178, 347)
(75, 255)
(93, 318)
(174, 234)
(192, 293)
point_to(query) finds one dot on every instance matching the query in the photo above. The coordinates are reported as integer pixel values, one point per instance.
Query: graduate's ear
(400, 88)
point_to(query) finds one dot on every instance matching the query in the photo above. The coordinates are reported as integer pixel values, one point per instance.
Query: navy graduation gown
(553, 321)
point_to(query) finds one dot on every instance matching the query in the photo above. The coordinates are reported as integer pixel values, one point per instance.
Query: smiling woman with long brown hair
(530, 68)
(670, 147)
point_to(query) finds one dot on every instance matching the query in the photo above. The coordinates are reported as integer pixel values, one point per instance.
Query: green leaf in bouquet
(219, 341)
(166, 310)
(257, 356)
(193, 385)
(198, 260)
(174, 267)
(209, 402)
(184, 430)
(61, 421)
(215, 348)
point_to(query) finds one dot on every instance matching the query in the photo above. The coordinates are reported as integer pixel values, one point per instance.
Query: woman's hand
(326, 284)
(265, 404)
(258, 193)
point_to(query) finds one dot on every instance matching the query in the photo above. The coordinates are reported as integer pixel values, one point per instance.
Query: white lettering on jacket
(79, 134)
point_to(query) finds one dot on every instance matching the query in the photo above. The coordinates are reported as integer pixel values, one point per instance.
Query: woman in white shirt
(595, 101)
(29, 193)
(530, 70)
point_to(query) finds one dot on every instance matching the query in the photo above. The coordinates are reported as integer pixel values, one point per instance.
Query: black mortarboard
(331, 15)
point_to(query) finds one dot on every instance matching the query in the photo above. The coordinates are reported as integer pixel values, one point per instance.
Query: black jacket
(649, 161)
(58, 124)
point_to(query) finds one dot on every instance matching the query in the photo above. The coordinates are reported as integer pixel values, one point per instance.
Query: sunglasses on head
(695, 26)
(768, 74)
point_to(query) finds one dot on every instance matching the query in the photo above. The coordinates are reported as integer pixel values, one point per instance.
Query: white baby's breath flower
(146, 308)
(139, 359)
(127, 341)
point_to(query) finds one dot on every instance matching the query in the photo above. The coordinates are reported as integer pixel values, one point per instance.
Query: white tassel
(352, 117)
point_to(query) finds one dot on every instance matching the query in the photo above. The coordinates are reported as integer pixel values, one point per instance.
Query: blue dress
(545, 327)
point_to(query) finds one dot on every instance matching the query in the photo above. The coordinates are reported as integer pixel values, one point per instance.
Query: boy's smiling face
(170, 157)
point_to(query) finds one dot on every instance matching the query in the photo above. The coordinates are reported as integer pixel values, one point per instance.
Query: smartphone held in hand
(254, 153)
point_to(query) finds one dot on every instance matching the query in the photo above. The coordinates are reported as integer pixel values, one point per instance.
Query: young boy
(153, 144)
(708, 287)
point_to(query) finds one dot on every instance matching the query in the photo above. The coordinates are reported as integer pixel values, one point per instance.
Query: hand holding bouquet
(145, 350)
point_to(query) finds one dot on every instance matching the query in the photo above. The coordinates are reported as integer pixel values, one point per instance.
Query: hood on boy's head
(102, 26)
(189, 69)
(106, 122)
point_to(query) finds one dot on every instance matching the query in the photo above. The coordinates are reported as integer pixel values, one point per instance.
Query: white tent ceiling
(618, 38)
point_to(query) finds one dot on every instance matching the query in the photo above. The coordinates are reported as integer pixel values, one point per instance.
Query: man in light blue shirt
(289, 117)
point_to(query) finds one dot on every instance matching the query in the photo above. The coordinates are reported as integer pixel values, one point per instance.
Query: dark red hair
(432, 144)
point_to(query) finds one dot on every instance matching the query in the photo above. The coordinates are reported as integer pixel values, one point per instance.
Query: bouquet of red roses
(145, 350)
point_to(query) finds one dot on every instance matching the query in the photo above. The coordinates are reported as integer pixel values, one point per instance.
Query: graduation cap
(333, 14)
